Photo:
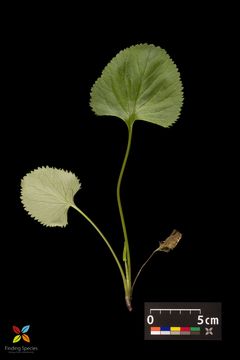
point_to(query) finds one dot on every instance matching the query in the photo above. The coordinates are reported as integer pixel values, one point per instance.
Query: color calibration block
(183, 321)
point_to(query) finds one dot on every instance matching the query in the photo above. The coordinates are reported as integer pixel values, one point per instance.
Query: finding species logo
(21, 334)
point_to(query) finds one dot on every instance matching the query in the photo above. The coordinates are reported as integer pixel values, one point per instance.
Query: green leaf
(47, 193)
(140, 83)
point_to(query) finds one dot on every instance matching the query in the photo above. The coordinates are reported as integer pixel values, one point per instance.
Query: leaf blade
(47, 193)
(140, 83)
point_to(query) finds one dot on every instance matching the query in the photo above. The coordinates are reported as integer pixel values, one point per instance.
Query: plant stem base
(128, 303)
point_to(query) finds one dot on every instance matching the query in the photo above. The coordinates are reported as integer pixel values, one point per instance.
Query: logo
(21, 334)
(18, 340)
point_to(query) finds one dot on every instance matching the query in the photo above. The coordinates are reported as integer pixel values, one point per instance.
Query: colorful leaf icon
(25, 329)
(16, 330)
(25, 337)
(16, 338)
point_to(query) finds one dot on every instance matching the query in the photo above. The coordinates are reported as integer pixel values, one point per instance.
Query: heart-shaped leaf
(47, 193)
(140, 83)
(16, 338)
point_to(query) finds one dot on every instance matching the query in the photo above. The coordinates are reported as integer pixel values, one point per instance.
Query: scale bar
(170, 310)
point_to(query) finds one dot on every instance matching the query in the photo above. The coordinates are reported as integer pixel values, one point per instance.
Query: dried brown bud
(171, 241)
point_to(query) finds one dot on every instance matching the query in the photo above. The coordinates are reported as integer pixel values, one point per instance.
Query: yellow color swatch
(175, 328)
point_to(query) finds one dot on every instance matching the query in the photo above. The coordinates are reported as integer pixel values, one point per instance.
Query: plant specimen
(140, 83)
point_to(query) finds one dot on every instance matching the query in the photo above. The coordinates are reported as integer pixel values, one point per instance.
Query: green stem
(126, 250)
(107, 243)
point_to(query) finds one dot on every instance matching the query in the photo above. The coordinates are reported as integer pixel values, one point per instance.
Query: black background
(63, 282)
